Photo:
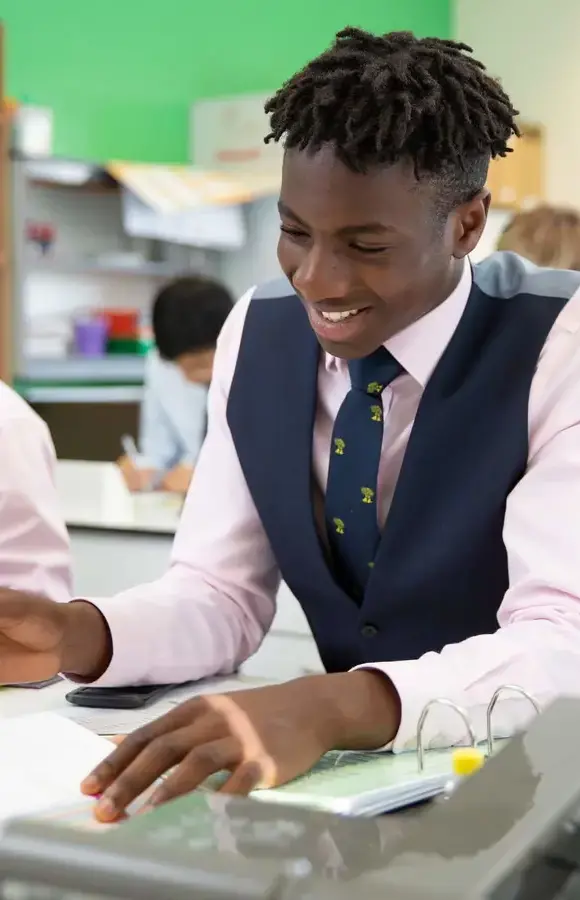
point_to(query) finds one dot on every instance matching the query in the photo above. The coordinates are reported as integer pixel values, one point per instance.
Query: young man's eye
(293, 232)
(366, 248)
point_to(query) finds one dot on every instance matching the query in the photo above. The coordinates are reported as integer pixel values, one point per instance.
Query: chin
(346, 351)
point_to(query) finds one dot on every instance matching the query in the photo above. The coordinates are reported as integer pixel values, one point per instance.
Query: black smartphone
(119, 697)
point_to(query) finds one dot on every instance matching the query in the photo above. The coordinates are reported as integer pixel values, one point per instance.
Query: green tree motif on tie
(374, 388)
(339, 526)
(376, 413)
(368, 494)
(339, 446)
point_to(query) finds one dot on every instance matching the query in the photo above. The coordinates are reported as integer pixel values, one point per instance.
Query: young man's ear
(469, 224)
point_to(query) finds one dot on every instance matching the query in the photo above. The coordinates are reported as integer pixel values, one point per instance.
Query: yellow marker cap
(467, 760)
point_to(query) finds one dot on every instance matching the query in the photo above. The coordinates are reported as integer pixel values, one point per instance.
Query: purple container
(90, 337)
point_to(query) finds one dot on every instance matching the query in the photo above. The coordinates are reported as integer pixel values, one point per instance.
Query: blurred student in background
(187, 318)
(547, 236)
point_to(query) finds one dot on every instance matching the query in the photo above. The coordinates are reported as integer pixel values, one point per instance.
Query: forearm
(362, 707)
(177, 629)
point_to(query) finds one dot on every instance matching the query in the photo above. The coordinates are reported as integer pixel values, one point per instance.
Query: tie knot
(372, 374)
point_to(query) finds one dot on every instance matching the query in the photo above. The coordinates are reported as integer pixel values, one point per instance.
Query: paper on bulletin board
(209, 227)
(176, 189)
(227, 133)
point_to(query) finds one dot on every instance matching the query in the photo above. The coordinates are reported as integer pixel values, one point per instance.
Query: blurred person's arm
(158, 445)
(190, 412)
(34, 545)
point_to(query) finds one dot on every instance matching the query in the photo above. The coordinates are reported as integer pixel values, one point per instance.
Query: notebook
(356, 783)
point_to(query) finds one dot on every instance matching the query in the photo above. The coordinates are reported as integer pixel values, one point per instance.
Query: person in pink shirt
(34, 545)
(393, 432)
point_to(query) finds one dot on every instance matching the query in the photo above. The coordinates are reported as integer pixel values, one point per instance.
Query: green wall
(120, 74)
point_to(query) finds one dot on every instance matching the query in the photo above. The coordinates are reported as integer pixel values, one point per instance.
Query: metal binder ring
(440, 701)
(515, 688)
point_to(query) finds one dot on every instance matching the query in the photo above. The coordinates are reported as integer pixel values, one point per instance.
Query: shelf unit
(92, 264)
(88, 404)
(66, 266)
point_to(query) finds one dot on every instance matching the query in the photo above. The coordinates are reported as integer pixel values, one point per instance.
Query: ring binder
(515, 688)
(440, 701)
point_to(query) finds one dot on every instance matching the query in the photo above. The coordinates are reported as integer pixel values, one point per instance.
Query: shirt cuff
(417, 682)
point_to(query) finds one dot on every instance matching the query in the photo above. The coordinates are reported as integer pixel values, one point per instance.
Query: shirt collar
(420, 346)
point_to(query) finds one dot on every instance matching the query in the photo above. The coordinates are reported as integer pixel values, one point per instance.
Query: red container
(122, 323)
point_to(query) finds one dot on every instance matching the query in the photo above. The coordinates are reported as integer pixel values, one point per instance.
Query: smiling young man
(394, 433)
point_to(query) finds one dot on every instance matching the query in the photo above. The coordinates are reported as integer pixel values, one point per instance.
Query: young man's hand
(39, 638)
(136, 479)
(262, 737)
(178, 480)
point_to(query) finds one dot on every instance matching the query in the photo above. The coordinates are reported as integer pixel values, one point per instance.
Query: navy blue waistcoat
(441, 569)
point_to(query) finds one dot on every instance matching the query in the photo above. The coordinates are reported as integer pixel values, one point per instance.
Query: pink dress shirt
(34, 546)
(212, 608)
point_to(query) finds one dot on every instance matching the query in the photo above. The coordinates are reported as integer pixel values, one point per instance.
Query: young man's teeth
(339, 316)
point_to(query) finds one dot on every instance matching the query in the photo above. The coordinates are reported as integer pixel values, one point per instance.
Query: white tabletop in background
(23, 701)
(93, 495)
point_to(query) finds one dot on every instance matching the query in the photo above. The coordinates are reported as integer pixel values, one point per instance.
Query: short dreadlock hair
(380, 100)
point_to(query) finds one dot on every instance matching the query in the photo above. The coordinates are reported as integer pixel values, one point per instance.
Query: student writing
(187, 317)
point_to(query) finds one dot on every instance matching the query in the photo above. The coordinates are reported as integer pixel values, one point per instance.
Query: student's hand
(136, 479)
(262, 737)
(178, 479)
(39, 638)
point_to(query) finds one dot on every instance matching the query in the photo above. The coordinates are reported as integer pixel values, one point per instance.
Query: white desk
(119, 540)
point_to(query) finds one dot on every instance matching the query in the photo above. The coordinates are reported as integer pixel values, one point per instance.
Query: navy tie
(351, 493)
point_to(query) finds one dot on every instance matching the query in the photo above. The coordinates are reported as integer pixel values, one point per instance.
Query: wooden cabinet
(516, 181)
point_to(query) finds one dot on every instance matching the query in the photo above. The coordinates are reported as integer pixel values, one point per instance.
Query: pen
(130, 449)
(132, 453)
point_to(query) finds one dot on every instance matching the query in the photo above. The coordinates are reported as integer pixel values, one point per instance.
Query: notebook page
(43, 759)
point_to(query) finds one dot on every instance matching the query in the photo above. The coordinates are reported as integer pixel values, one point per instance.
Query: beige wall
(533, 46)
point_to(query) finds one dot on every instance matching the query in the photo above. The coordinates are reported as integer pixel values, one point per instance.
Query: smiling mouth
(339, 316)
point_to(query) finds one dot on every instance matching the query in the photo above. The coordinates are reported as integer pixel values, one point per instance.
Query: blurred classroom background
(104, 111)
(131, 152)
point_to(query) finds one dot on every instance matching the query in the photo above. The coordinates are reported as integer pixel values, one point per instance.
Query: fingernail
(90, 785)
(106, 809)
